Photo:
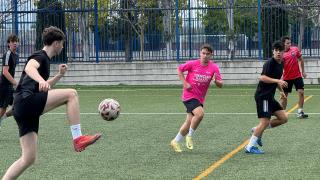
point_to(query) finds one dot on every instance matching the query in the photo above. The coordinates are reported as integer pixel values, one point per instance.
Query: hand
(62, 69)
(187, 86)
(304, 75)
(282, 84)
(44, 86)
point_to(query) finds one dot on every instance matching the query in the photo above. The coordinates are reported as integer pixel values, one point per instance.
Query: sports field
(136, 145)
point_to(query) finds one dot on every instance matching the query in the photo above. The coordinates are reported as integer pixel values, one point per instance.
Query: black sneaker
(302, 115)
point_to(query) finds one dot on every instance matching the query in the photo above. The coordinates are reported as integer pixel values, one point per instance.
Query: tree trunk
(84, 33)
(142, 43)
(167, 25)
(230, 17)
(301, 31)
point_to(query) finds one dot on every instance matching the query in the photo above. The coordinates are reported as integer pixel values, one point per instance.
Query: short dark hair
(278, 46)
(12, 38)
(208, 47)
(51, 34)
(284, 38)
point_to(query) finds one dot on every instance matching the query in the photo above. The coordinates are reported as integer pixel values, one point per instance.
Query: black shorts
(191, 104)
(298, 84)
(266, 107)
(27, 112)
(6, 95)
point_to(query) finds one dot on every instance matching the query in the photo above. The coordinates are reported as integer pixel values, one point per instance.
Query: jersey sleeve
(37, 58)
(298, 53)
(266, 70)
(6, 58)
(185, 67)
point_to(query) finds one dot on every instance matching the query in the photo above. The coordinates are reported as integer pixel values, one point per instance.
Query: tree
(274, 24)
(50, 13)
(307, 12)
(230, 18)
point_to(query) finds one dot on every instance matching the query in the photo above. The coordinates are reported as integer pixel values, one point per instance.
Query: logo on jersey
(202, 78)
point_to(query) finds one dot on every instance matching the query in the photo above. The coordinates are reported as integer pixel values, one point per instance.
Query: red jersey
(291, 63)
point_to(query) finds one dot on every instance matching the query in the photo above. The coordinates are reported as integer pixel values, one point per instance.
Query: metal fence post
(190, 39)
(177, 31)
(15, 16)
(96, 30)
(259, 30)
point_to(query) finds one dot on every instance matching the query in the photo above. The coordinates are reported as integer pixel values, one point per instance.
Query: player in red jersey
(293, 74)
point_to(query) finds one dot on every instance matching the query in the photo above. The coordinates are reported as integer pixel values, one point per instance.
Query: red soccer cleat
(82, 142)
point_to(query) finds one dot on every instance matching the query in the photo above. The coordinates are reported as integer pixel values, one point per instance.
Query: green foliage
(274, 25)
(245, 17)
(50, 14)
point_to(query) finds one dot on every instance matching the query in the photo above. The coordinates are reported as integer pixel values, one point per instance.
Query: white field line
(155, 113)
(168, 89)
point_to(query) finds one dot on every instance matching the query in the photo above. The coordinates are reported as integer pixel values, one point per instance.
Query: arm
(218, 83)
(6, 73)
(62, 70)
(31, 70)
(186, 85)
(270, 80)
(301, 67)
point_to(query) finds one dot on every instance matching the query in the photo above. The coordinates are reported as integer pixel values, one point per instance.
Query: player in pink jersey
(293, 74)
(195, 86)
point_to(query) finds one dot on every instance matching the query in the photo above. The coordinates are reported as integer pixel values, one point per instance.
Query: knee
(301, 92)
(200, 115)
(284, 119)
(28, 160)
(72, 93)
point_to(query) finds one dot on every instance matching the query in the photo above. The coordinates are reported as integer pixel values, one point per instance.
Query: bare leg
(9, 112)
(264, 123)
(58, 97)
(28, 144)
(281, 118)
(184, 129)
(284, 101)
(2, 111)
(198, 116)
(301, 98)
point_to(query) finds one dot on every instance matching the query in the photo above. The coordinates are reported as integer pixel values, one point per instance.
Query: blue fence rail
(126, 30)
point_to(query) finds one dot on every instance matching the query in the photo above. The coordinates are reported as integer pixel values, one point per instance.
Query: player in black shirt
(35, 97)
(266, 104)
(7, 81)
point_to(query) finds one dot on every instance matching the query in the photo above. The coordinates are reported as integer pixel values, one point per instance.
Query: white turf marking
(174, 113)
(166, 89)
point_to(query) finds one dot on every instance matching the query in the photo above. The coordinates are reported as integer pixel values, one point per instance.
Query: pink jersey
(291, 64)
(199, 77)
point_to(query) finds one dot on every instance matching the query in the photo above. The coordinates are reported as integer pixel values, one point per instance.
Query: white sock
(300, 110)
(76, 131)
(191, 131)
(252, 142)
(178, 137)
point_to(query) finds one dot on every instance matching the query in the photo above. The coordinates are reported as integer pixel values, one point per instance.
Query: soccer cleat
(302, 115)
(259, 141)
(189, 142)
(176, 146)
(82, 142)
(253, 150)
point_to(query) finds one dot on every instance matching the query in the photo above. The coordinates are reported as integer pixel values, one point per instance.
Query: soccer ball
(109, 109)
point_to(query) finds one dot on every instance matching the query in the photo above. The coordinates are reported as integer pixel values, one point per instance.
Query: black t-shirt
(274, 70)
(8, 59)
(27, 86)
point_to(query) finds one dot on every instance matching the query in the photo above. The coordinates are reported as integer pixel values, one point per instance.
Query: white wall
(163, 73)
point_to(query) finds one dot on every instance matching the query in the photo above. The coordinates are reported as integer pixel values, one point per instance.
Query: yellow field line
(296, 106)
(215, 165)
